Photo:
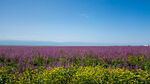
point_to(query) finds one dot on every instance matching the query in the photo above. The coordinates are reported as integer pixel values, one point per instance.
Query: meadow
(75, 65)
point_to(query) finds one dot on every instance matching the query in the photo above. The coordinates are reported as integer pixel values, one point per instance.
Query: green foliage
(117, 62)
(5, 76)
(132, 61)
(142, 62)
(2, 58)
(48, 60)
(76, 61)
(37, 61)
(87, 70)
(75, 75)
(89, 61)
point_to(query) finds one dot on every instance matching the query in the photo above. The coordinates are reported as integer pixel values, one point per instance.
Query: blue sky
(100, 21)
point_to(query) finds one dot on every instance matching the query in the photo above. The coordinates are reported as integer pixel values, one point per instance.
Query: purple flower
(137, 67)
(118, 66)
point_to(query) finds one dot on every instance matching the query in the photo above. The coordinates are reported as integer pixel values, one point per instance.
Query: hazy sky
(111, 21)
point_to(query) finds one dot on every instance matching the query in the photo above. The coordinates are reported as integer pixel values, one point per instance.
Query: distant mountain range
(47, 43)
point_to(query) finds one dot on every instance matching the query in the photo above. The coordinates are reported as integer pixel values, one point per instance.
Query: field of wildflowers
(75, 65)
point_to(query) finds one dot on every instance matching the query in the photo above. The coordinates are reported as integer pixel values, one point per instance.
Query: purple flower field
(117, 56)
(71, 51)
(73, 65)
